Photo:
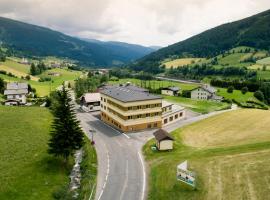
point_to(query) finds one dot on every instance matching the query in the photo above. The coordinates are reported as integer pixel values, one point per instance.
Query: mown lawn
(27, 171)
(231, 162)
(199, 106)
(156, 84)
(237, 95)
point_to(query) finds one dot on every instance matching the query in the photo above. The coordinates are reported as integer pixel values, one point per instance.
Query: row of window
(153, 114)
(171, 118)
(133, 107)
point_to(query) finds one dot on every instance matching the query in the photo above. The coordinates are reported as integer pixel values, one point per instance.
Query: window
(149, 125)
(101, 98)
(155, 125)
(165, 121)
(129, 108)
(171, 118)
(176, 116)
(180, 114)
(147, 115)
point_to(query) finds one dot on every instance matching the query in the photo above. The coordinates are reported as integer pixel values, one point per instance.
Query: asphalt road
(121, 174)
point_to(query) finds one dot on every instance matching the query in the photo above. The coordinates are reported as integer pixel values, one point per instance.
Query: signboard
(184, 175)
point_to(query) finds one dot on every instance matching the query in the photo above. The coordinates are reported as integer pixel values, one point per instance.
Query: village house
(205, 92)
(16, 93)
(164, 141)
(170, 91)
(91, 101)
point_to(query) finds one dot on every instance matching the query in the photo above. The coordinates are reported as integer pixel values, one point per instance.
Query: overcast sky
(146, 22)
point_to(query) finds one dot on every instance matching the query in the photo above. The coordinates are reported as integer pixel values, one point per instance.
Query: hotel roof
(127, 94)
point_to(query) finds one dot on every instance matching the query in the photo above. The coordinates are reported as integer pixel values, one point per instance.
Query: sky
(145, 22)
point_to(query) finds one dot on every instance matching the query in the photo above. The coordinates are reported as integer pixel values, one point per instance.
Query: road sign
(184, 175)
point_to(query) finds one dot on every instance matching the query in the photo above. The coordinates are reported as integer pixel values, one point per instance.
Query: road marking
(143, 190)
(106, 178)
(125, 183)
(126, 135)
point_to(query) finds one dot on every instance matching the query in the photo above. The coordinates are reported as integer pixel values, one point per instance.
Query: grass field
(237, 95)
(156, 84)
(229, 153)
(199, 106)
(181, 62)
(16, 66)
(27, 171)
(44, 88)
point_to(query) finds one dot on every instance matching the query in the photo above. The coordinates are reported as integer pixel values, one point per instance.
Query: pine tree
(33, 69)
(66, 134)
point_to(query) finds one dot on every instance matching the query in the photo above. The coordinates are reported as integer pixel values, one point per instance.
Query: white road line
(106, 178)
(126, 135)
(125, 183)
(144, 180)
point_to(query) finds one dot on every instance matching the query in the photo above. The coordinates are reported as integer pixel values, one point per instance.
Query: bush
(186, 93)
(244, 90)
(230, 89)
(259, 95)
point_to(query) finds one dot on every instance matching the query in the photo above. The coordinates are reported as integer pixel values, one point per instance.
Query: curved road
(121, 173)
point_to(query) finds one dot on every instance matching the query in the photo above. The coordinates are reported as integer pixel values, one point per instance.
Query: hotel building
(130, 108)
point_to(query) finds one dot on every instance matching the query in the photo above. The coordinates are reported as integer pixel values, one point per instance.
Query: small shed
(171, 91)
(164, 141)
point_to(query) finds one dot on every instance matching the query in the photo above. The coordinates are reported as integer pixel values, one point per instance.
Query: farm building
(16, 93)
(170, 91)
(164, 141)
(205, 92)
(91, 101)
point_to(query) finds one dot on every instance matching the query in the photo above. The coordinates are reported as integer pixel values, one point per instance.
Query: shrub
(244, 90)
(186, 93)
(230, 89)
(259, 95)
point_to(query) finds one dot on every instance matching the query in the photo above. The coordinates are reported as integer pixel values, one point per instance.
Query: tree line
(36, 69)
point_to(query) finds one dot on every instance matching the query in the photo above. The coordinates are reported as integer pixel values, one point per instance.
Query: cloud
(148, 22)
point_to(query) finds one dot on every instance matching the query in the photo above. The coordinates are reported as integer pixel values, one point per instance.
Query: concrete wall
(174, 116)
(165, 145)
(200, 94)
(167, 92)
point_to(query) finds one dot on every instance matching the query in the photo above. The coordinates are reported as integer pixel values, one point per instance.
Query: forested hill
(252, 31)
(31, 40)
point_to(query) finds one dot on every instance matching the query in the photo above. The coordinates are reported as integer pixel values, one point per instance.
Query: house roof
(207, 88)
(127, 94)
(91, 97)
(161, 134)
(16, 86)
(18, 91)
(174, 89)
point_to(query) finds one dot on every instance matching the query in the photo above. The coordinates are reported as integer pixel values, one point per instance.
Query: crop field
(181, 62)
(27, 171)
(231, 160)
(265, 61)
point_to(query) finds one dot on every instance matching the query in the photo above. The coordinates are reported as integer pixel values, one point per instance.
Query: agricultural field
(155, 84)
(27, 171)
(181, 62)
(200, 106)
(265, 61)
(231, 160)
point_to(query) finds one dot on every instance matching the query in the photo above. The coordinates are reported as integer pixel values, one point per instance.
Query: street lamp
(92, 132)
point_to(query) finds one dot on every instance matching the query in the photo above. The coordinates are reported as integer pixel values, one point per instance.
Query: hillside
(253, 31)
(30, 40)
